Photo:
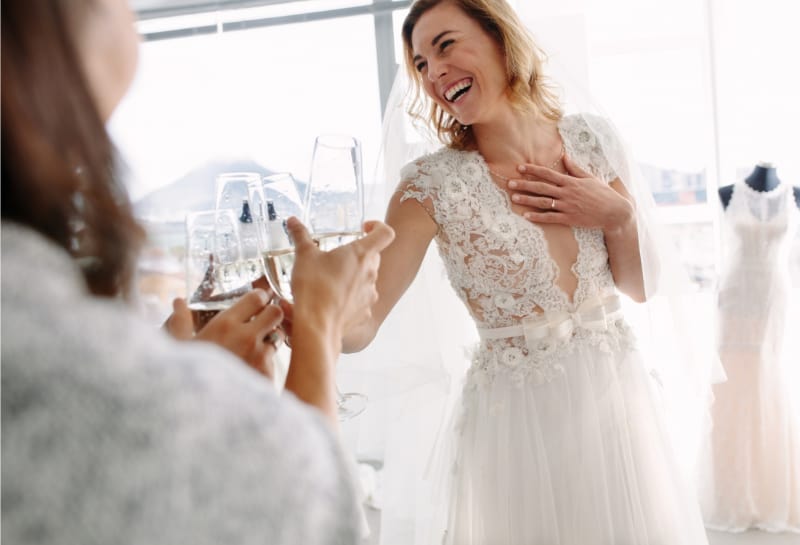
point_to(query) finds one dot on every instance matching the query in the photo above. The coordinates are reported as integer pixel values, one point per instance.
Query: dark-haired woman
(114, 432)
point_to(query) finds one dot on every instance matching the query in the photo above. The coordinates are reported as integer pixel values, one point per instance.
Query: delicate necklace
(553, 166)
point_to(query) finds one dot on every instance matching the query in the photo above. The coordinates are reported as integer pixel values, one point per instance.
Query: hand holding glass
(216, 275)
(335, 215)
(335, 193)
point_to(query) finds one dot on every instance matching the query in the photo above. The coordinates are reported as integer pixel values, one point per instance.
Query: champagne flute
(335, 191)
(233, 193)
(335, 214)
(275, 199)
(216, 276)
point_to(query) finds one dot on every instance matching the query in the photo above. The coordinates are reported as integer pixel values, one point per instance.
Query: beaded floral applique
(498, 262)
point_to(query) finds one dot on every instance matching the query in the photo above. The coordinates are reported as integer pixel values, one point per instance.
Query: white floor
(752, 538)
(714, 538)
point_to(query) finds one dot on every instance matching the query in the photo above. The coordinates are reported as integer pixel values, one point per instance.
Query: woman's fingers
(537, 201)
(248, 305)
(288, 317)
(301, 238)
(266, 321)
(544, 173)
(574, 169)
(537, 194)
(378, 236)
(180, 324)
(536, 187)
(548, 217)
(369, 225)
(576, 198)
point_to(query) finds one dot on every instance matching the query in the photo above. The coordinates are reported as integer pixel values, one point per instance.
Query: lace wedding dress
(557, 438)
(755, 441)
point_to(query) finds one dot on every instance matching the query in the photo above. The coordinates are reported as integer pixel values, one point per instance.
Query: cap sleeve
(593, 143)
(420, 181)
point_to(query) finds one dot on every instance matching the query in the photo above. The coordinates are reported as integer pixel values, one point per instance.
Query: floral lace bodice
(497, 261)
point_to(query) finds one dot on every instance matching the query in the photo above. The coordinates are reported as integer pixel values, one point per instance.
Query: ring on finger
(274, 338)
(552, 204)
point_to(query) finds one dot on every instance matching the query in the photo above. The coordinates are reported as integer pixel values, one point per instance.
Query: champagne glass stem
(349, 405)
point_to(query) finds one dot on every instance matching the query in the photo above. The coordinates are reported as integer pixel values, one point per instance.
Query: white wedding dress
(754, 480)
(557, 438)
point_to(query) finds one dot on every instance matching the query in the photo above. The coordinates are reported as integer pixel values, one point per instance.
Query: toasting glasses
(216, 274)
(335, 214)
(233, 193)
(275, 198)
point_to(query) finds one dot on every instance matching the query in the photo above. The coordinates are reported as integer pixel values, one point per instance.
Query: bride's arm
(622, 244)
(414, 229)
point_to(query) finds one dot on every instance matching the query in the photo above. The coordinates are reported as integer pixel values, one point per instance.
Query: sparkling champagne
(331, 241)
(279, 265)
(203, 311)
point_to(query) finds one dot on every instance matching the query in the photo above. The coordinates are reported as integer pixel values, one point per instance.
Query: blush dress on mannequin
(754, 477)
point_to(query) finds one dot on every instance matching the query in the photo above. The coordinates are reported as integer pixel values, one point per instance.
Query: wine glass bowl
(275, 199)
(232, 192)
(216, 274)
(335, 192)
(231, 188)
(335, 214)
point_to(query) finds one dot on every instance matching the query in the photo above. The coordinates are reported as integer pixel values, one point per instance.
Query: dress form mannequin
(753, 478)
(763, 178)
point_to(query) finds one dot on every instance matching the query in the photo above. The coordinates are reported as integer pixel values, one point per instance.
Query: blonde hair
(529, 89)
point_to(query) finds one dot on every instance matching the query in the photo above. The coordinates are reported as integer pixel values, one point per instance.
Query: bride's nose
(436, 70)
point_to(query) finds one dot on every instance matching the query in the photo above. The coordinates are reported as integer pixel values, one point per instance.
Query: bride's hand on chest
(576, 198)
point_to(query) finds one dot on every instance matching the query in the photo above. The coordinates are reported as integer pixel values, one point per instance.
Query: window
(207, 101)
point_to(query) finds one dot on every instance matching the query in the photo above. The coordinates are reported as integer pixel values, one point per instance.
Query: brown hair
(57, 158)
(528, 88)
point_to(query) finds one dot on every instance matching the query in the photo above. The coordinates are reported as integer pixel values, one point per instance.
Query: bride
(557, 438)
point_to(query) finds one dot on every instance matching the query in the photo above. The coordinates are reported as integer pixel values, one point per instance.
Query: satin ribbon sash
(540, 330)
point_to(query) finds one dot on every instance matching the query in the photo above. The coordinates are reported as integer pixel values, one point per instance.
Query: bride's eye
(421, 65)
(445, 44)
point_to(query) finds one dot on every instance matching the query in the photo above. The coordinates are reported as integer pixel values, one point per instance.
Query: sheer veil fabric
(436, 328)
(753, 478)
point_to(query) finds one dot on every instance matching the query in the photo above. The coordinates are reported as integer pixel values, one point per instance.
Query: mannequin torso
(763, 178)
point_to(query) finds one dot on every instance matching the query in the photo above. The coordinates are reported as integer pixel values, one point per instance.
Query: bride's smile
(462, 69)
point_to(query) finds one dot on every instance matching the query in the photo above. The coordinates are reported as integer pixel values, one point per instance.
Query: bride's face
(461, 67)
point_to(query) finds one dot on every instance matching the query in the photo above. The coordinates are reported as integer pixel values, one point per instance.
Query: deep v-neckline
(569, 300)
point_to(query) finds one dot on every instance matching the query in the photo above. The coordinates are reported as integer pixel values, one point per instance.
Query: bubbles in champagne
(331, 241)
(204, 311)
(279, 265)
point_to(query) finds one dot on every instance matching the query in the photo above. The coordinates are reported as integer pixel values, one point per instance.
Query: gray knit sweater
(112, 433)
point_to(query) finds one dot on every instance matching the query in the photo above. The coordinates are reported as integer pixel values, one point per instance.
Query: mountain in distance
(192, 192)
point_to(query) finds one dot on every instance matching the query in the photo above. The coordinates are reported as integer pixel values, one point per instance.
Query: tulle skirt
(753, 475)
(568, 453)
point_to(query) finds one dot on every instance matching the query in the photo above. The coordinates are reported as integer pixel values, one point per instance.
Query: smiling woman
(114, 430)
(557, 435)
(520, 57)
